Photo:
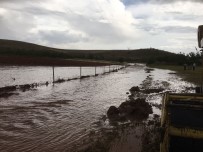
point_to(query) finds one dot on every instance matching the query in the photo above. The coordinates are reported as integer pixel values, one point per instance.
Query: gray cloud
(155, 29)
(151, 28)
(131, 2)
(171, 1)
(179, 29)
(41, 11)
(61, 37)
(23, 15)
(18, 1)
(183, 16)
(95, 29)
(14, 25)
(29, 22)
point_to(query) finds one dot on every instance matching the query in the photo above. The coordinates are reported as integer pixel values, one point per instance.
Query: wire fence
(19, 75)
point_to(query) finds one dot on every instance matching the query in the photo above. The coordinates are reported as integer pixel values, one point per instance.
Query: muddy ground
(135, 127)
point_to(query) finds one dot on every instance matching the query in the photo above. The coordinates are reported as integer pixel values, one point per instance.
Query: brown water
(59, 118)
(19, 75)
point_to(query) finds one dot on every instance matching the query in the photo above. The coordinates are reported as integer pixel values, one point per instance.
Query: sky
(169, 25)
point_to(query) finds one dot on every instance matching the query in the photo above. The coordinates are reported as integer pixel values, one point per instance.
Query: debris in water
(134, 109)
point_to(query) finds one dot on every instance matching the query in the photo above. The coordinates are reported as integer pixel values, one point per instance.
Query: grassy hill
(149, 55)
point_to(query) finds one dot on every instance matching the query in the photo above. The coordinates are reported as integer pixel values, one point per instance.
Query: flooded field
(59, 118)
(19, 75)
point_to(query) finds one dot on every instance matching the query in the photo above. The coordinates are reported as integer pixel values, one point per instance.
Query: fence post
(53, 75)
(95, 70)
(80, 71)
(109, 68)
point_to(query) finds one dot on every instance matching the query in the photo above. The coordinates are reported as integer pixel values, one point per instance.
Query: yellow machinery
(182, 118)
(182, 123)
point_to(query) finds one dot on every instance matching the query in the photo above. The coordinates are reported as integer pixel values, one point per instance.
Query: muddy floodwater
(60, 117)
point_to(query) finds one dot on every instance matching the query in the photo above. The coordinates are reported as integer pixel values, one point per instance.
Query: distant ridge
(11, 44)
(18, 48)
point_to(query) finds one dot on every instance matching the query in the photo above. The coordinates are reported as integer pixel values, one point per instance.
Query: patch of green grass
(189, 75)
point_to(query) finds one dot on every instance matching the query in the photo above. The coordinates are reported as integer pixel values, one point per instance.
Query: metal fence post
(53, 75)
(80, 71)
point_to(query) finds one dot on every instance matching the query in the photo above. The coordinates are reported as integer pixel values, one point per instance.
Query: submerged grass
(189, 75)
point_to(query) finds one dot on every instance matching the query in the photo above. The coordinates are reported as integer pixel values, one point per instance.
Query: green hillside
(148, 55)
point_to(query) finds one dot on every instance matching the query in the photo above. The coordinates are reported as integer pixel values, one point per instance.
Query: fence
(82, 72)
(24, 78)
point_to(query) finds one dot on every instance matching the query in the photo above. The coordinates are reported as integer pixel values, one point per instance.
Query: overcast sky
(103, 24)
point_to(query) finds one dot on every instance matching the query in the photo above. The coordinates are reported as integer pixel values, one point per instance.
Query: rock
(126, 108)
(73, 79)
(87, 76)
(131, 96)
(133, 89)
(60, 81)
(156, 116)
(132, 109)
(7, 94)
(148, 70)
(135, 109)
(113, 111)
(33, 85)
(172, 73)
(150, 122)
(153, 90)
(8, 88)
(25, 87)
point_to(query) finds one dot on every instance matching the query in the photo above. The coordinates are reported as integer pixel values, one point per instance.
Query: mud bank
(131, 109)
(135, 127)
